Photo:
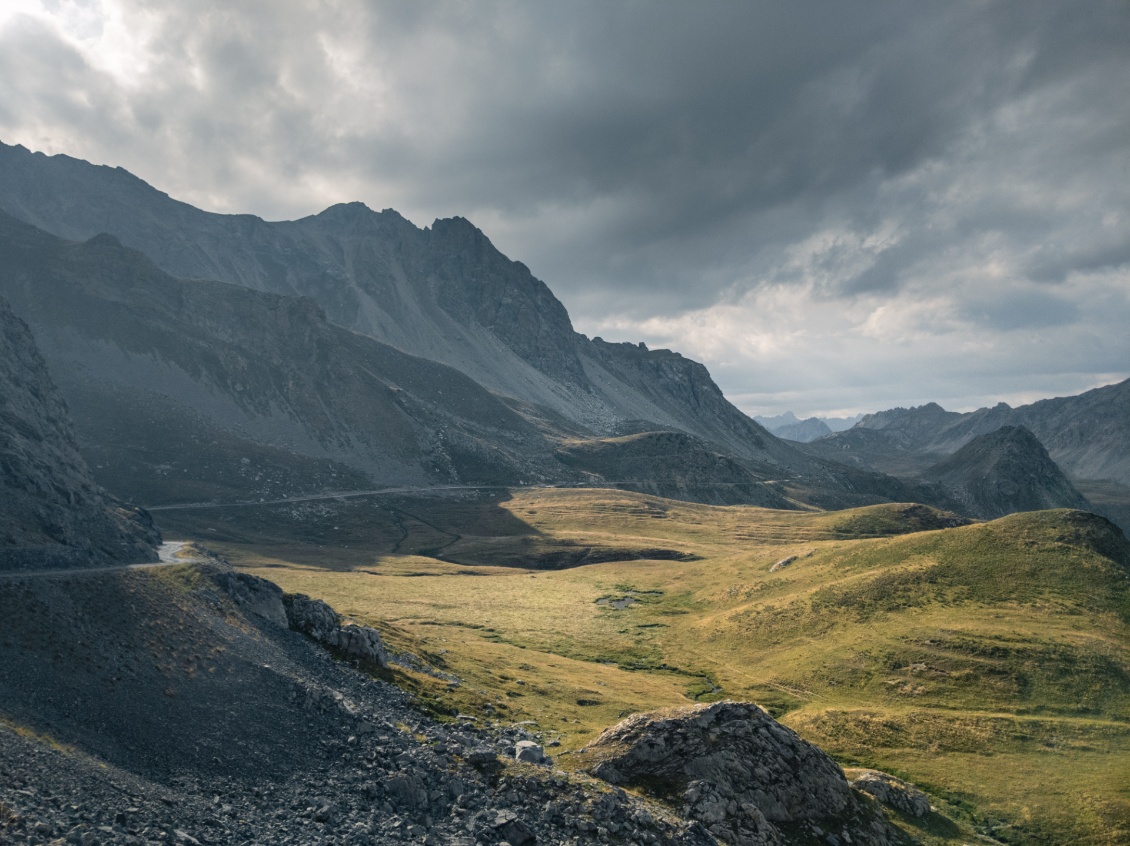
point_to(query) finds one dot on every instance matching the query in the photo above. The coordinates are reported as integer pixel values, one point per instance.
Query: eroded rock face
(893, 792)
(318, 620)
(747, 778)
(52, 513)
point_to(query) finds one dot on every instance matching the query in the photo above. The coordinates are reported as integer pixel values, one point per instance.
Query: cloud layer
(837, 207)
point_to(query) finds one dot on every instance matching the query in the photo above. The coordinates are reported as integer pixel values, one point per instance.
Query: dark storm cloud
(675, 172)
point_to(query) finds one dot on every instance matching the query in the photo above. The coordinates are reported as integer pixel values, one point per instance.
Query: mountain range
(219, 357)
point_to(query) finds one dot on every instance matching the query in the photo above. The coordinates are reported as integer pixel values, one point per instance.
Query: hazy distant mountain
(1087, 435)
(1002, 472)
(791, 428)
(52, 513)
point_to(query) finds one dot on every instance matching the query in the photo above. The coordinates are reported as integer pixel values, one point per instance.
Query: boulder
(318, 620)
(311, 616)
(899, 795)
(528, 751)
(748, 779)
(251, 593)
(363, 643)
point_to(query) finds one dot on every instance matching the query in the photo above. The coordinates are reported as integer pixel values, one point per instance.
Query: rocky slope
(295, 404)
(53, 513)
(207, 719)
(442, 293)
(1002, 472)
(187, 388)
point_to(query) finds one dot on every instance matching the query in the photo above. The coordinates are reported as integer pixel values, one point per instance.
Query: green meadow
(989, 663)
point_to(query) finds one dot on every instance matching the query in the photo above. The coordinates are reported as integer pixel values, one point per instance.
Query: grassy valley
(987, 662)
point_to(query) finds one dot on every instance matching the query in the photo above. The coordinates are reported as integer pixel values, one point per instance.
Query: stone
(529, 752)
(893, 792)
(735, 770)
(251, 593)
(310, 616)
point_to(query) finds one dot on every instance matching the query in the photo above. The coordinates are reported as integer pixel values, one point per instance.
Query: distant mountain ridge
(1088, 435)
(791, 428)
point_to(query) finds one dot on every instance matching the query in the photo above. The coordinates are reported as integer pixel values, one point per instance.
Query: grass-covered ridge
(989, 662)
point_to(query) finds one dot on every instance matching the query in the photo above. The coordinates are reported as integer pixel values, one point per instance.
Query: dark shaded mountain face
(443, 293)
(195, 390)
(1087, 435)
(1002, 472)
(192, 390)
(52, 513)
(673, 465)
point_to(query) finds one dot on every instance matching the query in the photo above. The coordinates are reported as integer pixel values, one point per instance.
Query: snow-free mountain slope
(1002, 472)
(443, 293)
(140, 354)
(52, 513)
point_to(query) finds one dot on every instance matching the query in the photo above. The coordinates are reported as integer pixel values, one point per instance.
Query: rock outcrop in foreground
(52, 513)
(749, 780)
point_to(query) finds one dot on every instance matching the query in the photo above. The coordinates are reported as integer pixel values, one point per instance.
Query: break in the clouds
(837, 206)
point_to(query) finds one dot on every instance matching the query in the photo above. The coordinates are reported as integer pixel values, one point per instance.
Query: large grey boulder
(750, 780)
(315, 618)
(893, 792)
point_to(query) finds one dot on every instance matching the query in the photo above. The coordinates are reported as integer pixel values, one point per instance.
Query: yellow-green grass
(988, 662)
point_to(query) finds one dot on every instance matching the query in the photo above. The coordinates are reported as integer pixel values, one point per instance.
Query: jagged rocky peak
(53, 514)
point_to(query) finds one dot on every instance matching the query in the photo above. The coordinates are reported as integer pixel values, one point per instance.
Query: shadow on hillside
(149, 671)
(335, 533)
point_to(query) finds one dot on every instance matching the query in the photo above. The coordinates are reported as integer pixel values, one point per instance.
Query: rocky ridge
(1088, 435)
(53, 513)
(208, 720)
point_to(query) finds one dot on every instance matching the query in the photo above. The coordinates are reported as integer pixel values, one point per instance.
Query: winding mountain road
(168, 556)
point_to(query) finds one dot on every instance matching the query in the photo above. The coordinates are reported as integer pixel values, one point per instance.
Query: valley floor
(988, 663)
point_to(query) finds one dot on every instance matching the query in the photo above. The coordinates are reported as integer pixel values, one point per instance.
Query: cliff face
(53, 514)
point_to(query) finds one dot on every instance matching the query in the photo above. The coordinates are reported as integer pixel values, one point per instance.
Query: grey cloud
(644, 159)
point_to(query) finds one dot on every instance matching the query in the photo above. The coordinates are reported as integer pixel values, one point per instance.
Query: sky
(837, 207)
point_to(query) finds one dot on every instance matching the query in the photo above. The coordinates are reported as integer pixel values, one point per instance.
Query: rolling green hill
(987, 662)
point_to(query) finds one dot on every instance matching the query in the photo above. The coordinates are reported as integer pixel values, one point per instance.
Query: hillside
(989, 663)
(198, 390)
(442, 293)
(53, 512)
(1002, 472)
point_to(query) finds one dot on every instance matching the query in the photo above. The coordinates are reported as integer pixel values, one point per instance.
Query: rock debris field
(179, 706)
